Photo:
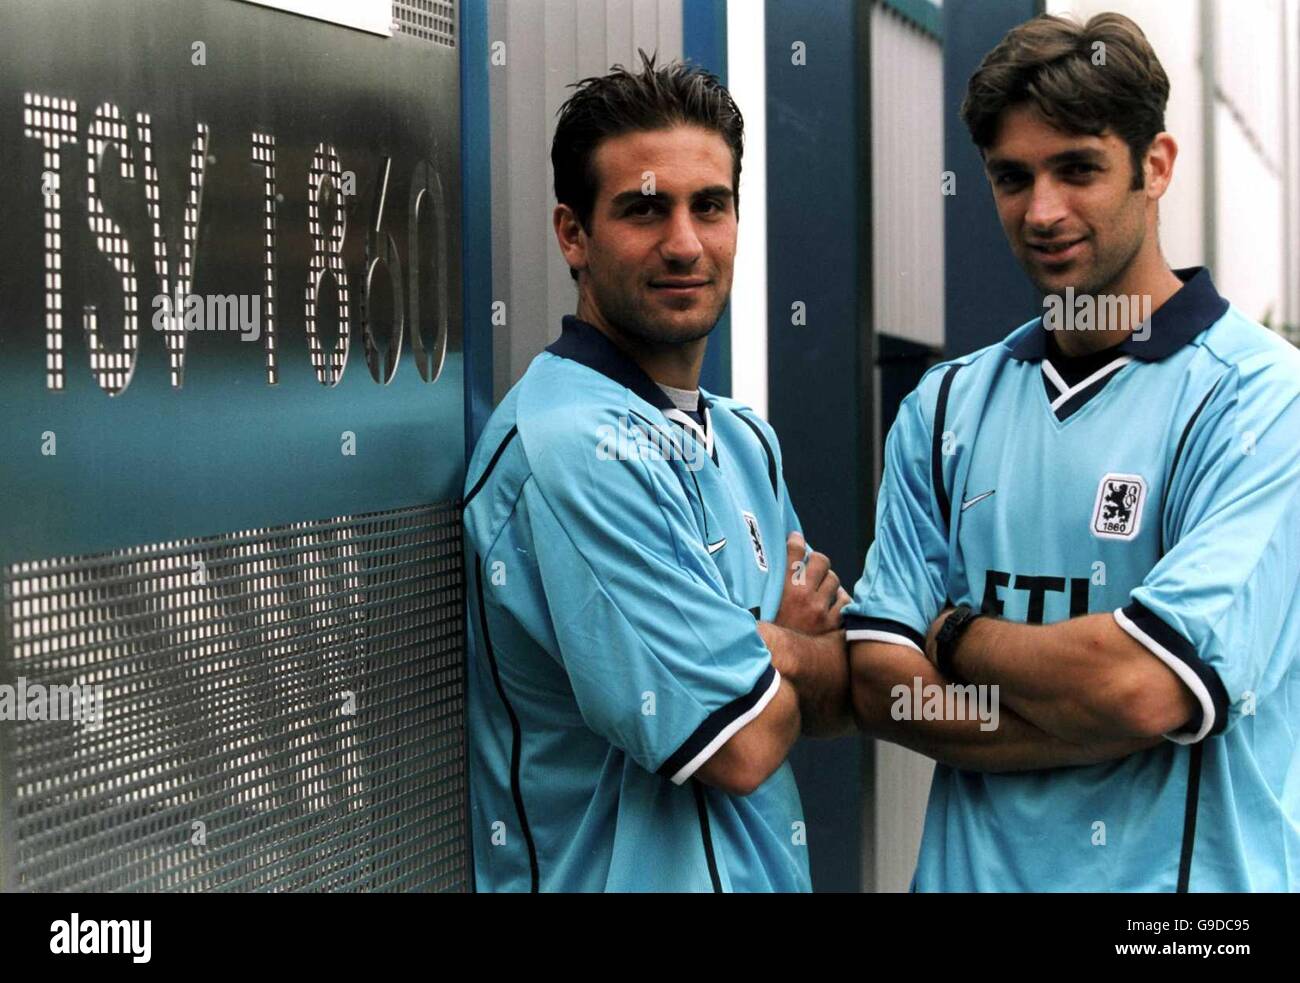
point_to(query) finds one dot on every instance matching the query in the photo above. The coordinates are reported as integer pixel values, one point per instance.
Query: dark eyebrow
(1001, 165)
(623, 198)
(628, 197)
(1082, 156)
(720, 191)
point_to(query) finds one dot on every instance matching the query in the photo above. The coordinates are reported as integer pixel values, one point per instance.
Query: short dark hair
(1083, 78)
(656, 98)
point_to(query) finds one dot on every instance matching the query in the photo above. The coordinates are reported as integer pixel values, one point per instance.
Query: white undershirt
(686, 400)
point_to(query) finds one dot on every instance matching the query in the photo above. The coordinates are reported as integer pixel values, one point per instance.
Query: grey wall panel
(591, 39)
(620, 20)
(561, 53)
(669, 13)
(550, 44)
(908, 293)
(907, 163)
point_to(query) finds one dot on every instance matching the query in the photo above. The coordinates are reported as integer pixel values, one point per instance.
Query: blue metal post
(986, 293)
(476, 244)
(704, 42)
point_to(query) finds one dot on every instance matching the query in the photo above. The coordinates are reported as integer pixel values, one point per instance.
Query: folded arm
(808, 652)
(1083, 680)
(1014, 744)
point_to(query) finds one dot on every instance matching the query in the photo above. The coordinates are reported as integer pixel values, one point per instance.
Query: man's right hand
(812, 598)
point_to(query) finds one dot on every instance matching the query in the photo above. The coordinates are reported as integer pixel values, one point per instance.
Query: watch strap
(950, 634)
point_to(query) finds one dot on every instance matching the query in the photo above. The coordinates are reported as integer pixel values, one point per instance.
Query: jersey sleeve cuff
(1179, 654)
(859, 628)
(718, 727)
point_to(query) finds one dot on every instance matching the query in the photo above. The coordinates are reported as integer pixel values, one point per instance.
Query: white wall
(747, 80)
(1250, 142)
(1291, 164)
(1172, 28)
(1247, 222)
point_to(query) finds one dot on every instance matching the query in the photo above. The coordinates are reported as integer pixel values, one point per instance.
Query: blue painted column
(819, 375)
(986, 292)
(704, 42)
(476, 212)
(476, 243)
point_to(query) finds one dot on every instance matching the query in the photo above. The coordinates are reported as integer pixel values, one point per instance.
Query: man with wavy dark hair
(1096, 521)
(649, 637)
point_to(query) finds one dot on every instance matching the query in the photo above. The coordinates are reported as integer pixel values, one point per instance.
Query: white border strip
(875, 635)
(724, 735)
(375, 16)
(1182, 670)
(747, 82)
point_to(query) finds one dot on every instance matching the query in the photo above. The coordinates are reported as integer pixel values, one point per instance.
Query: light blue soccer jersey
(1164, 487)
(620, 554)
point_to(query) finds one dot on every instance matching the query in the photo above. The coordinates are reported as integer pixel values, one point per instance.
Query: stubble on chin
(643, 325)
(666, 333)
(1098, 279)
(1082, 282)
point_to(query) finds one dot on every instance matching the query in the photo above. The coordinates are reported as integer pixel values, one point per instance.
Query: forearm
(817, 666)
(1003, 742)
(1082, 680)
(745, 761)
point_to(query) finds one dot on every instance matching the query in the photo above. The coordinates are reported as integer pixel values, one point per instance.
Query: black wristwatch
(950, 633)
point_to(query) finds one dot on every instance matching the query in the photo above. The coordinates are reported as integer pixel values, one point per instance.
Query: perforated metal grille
(54, 123)
(326, 182)
(429, 20)
(264, 155)
(282, 709)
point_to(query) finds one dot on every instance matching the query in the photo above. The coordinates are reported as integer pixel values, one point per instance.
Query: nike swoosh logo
(714, 547)
(969, 503)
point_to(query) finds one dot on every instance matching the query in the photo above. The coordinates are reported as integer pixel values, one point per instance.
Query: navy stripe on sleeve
(1180, 655)
(863, 629)
(715, 725)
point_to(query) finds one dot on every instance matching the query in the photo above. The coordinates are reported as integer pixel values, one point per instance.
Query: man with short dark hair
(649, 637)
(1097, 521)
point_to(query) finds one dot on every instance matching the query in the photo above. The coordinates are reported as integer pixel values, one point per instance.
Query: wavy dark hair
(1053, 64)
(656, 98)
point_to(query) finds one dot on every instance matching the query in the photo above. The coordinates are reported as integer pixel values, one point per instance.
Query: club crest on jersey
(756, 541)
(1118, 512)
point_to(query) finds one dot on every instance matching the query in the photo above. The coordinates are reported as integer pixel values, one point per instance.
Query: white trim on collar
(704, 434)
(1067, 391)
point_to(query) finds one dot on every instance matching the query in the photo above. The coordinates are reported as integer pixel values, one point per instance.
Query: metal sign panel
(230, 316)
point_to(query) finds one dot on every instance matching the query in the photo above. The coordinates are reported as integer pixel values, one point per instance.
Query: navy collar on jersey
(587, 345)
(1180, 319)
